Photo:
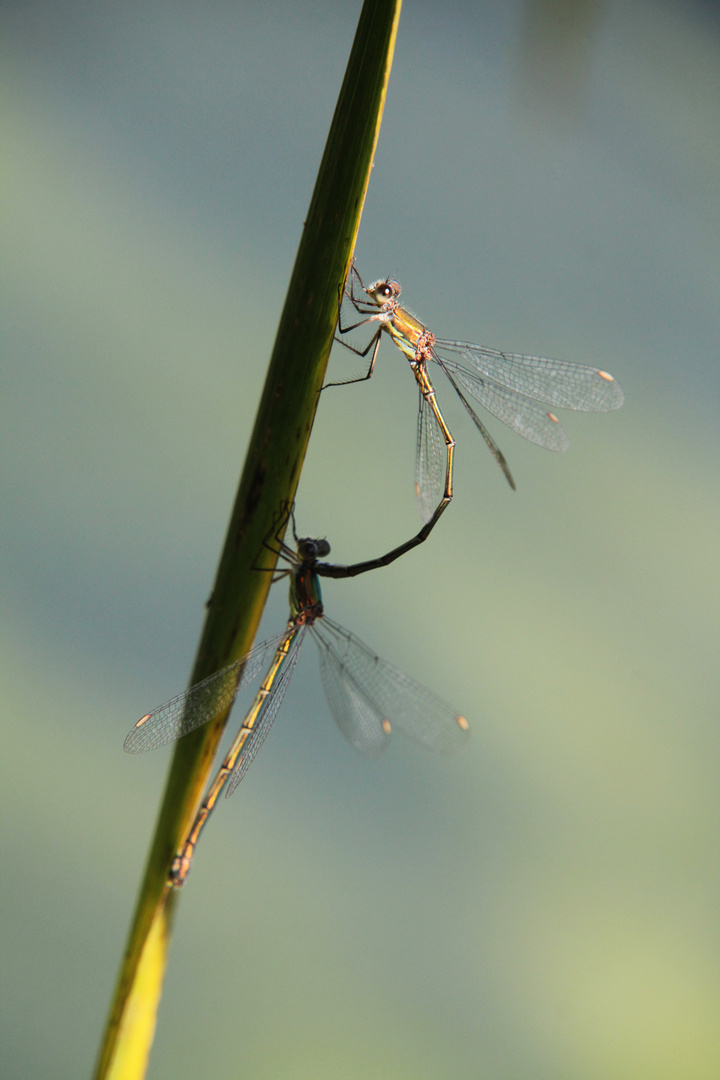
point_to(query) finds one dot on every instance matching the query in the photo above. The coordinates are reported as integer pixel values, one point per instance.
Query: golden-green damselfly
(513, 388)
(368, 697)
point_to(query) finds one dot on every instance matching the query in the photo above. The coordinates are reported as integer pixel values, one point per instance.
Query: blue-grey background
(545, 905)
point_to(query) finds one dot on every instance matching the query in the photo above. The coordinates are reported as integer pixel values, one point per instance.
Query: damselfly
(367, 696)
(514, 388)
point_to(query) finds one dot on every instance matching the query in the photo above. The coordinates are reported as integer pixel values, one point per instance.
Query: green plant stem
(270, 477)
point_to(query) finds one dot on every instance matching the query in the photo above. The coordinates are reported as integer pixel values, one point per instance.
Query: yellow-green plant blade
(269, 479)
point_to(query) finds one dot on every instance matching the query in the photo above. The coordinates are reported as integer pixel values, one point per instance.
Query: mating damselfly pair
(367, 696)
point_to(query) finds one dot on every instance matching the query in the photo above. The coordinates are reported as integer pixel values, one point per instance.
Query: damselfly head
(309, 549)
(383, 292)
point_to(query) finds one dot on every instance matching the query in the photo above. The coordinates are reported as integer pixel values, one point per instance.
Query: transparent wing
(369, 697)
(430, 462)
(202, 702)
(554, 382)
(528, 418)
(491, 444)
(267, 714)
(355, 714)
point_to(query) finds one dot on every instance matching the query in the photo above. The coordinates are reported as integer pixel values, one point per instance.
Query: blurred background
(546, 904)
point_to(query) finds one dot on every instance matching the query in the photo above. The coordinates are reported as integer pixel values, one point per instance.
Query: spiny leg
(369, 313)
(274, 541)
(373, 344)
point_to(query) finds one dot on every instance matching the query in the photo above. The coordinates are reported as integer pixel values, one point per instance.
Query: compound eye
(312, 549)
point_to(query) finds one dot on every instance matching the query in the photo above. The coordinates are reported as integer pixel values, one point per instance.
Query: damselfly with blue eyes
(514, 388)
(367, 696)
